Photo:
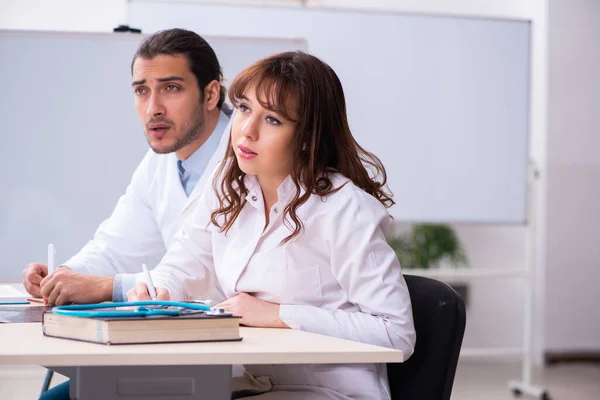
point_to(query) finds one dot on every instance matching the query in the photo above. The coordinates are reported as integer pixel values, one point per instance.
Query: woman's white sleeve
(188, 267)
(367, 269)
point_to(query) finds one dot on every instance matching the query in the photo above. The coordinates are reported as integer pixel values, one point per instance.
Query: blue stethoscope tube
(86, 310)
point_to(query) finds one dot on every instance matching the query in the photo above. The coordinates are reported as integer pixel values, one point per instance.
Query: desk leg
(69, 372)
(189, 382)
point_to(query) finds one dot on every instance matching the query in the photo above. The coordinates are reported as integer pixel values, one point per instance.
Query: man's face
(168, 102)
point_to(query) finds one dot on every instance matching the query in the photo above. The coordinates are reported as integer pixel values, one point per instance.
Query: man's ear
(212, 93)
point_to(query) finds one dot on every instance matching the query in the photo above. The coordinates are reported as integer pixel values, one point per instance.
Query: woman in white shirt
(293, 231)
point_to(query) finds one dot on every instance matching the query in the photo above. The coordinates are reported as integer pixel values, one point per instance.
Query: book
(190, 327)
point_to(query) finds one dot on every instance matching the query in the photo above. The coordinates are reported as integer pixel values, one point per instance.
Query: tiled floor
(474, 381)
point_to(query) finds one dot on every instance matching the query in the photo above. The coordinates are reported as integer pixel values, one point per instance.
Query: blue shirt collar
(196, 163)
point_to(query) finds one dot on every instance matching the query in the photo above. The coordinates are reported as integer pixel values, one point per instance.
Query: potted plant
(425, 246)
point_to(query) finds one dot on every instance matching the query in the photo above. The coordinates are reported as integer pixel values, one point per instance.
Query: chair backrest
(440, 318)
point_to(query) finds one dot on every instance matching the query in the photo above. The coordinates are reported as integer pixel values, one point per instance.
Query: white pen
(148, 278)
(50, 258)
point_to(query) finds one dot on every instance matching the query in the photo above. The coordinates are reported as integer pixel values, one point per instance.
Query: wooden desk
(120, 372)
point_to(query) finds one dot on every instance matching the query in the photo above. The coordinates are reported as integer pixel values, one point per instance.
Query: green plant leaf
(426, 245)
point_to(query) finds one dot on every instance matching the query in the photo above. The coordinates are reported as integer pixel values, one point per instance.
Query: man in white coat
(179, 100)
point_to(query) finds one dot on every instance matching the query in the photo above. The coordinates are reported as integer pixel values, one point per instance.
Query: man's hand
(65, 286)
(254, 312)
(140, 293)
(32, 276)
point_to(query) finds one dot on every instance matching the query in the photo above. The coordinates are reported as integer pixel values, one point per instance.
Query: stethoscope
(143, 309)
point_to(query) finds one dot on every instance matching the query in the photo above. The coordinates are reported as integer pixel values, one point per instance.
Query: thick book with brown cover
(193, 327)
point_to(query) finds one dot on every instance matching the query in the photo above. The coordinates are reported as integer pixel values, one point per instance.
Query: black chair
(440, 317)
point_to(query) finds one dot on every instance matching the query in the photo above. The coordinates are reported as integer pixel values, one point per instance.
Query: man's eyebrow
(170, 78)
(165, 79)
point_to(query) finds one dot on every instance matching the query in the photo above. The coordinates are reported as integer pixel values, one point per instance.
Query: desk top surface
(22, 343)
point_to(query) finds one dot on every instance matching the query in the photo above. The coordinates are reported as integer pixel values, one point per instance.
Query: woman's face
(261, 140)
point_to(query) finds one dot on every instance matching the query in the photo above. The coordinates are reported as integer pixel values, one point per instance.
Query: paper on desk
(11, 291)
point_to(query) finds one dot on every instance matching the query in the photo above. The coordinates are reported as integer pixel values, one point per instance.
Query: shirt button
(276, 210)
(253, 198)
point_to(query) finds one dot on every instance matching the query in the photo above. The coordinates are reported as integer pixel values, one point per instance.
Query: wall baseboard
(560, 357)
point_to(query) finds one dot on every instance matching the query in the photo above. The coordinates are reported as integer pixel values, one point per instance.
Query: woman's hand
(140, 293)
(254, 312)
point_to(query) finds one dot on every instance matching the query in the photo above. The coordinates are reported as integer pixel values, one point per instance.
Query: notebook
(192, 327)
(13, 300)
(11, 291)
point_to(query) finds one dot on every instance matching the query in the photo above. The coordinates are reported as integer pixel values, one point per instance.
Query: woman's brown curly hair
(322, 142)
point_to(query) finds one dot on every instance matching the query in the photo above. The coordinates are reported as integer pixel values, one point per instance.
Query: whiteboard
(443, 101)
(71, 137)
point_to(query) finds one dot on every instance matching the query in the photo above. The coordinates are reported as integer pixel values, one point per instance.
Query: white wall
(62, 15)
(519, 9)
(573, 252)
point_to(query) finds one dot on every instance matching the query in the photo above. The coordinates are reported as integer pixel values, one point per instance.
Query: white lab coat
(339, 278)
(146, 218)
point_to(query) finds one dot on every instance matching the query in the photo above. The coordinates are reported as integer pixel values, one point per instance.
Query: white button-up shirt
(339, 277)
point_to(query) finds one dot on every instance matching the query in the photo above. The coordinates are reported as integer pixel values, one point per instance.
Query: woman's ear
(212, 94)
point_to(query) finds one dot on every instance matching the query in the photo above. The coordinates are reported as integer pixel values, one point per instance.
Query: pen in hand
(51, 253)
(148, 278)
(50, 265)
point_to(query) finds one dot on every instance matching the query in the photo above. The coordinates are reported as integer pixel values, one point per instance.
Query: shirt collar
(285, 191)
(196, 163)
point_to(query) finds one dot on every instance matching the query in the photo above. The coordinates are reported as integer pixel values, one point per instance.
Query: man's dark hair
(201, 57)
